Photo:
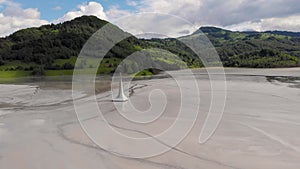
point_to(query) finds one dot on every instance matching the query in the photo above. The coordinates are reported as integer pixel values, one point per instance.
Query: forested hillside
(255, 49)
(55, 47)
(52, 49)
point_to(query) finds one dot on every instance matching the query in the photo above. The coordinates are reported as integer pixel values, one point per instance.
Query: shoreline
(103, 82)
(257, 128)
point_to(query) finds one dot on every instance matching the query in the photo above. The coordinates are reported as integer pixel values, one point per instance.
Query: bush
(19, 68)
(68, 66)
(38, 71)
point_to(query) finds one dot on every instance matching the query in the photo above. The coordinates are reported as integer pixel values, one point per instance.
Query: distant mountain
(255, 49)
(44, 44)
(284, 33)
(47, 47)
(216, 30)
(55, 47)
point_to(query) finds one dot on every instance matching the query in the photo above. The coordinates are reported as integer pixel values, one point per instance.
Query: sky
(236, 15)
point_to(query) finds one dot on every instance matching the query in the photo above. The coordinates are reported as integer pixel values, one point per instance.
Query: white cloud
(91, 8)
(115, 13)
(246, 26)
(147, 22)
(57, 8)
(132, 3)
(156, 24)
(181, 8)
(256, 15)
(226, 13)
(4, 1)
(16, 11)
(290, 23)
(14, 18)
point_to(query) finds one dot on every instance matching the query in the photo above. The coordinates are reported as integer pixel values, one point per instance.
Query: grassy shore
(14, 74)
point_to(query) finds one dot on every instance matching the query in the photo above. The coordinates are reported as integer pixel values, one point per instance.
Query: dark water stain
(293, 82)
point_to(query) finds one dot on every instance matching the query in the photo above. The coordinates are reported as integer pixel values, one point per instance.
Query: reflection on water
(35, 79)
(102, 83)
(293, 82)
(288, 76)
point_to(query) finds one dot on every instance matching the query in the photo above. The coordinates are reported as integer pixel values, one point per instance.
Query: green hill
(255, 49)
(52, 49)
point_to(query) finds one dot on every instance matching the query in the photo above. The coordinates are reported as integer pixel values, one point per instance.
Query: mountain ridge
(205, 29)
(56, 46)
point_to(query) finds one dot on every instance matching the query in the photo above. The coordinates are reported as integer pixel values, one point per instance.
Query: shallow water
(39, 127)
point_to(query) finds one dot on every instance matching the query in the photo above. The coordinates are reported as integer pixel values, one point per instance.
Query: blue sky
(48, 12)
(19, 14)
(258, 15)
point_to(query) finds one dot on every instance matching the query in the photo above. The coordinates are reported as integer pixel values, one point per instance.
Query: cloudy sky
(240, 15)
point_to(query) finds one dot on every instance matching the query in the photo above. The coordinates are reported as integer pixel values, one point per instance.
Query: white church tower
(121, 95)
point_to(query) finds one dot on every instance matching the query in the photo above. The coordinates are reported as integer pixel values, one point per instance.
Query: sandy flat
(39, 127)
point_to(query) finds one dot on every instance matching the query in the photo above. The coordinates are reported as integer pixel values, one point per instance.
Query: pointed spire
(121, 96)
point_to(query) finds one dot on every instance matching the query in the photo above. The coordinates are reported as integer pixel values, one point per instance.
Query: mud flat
(259, 129)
